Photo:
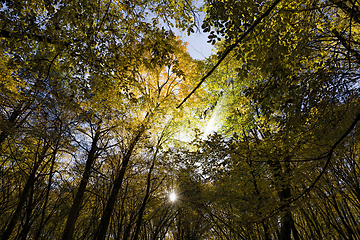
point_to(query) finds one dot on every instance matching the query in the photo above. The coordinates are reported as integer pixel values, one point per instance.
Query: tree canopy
(104, 114)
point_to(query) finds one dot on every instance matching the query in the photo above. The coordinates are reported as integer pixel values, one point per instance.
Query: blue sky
(197, 45)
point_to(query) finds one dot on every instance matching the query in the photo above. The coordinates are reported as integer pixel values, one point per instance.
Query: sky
(197, 45)
(197, 42)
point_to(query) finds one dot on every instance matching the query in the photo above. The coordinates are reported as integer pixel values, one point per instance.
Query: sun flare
(172, 197)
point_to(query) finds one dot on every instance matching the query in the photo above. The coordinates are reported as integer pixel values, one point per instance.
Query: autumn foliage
(103, 114)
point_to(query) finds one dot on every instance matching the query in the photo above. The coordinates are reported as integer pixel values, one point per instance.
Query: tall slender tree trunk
(29, 209)
(51, 174)
(281, 173)
(129, 226)
(23, 196)
(266, 230)
(105, 219)
(146, 198)
(75, 208)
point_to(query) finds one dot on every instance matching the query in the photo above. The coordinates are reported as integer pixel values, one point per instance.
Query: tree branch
(39, 38)
(353, 12)
(345, 43)
(329, 156)
(230, 48)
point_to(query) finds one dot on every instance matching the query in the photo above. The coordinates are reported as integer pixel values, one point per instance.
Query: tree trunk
(129, 227)
(75, 208)
(146, 198)
(51, 174)
(29, 209)
(105, 219)
(23, 196)
(266, 230)
(281, 173)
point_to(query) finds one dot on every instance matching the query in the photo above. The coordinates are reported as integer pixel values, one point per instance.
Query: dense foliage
(92, 138)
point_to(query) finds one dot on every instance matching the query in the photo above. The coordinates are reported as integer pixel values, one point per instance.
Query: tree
(288, 99)
(91, 141)
(76, 56)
